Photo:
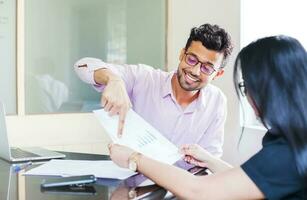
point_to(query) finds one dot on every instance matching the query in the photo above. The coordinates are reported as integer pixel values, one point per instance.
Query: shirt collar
(200, 101)
(167, 87)
(197, 104)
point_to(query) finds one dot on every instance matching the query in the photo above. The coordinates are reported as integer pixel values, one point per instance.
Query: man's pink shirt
(150, 92)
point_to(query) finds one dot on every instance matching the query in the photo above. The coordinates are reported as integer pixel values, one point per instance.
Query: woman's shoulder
(273, 169)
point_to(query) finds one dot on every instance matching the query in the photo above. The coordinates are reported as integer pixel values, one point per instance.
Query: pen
(20, 167)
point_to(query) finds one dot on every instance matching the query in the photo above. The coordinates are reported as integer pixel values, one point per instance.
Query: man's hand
(115, 100)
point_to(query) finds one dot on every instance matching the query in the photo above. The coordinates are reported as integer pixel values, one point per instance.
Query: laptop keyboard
(19, 153)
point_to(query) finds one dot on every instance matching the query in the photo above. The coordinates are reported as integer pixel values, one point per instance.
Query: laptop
(15, 154)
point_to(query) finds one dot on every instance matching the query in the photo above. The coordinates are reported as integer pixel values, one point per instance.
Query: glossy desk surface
(14, 186)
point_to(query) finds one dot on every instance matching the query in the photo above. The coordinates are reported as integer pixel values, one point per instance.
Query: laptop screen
(4, 142)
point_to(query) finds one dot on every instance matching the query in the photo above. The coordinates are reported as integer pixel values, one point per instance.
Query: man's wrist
(114, 79)
(111, 76)
(104, 76)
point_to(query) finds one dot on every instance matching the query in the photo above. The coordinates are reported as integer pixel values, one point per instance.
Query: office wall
(8, 55)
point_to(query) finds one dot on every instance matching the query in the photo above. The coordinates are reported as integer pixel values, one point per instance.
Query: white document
(101, 169)
(140, 136)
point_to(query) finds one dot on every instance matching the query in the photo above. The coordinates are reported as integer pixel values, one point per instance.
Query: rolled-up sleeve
(130, 74)
(85, 68)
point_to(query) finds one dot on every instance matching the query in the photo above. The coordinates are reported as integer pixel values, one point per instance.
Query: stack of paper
(140, 136)
(101, 169)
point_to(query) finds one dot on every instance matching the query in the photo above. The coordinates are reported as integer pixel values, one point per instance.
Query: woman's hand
(196, 155)
(120, 154)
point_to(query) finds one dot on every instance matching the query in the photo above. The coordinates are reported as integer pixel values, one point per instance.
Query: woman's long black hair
(274, 71)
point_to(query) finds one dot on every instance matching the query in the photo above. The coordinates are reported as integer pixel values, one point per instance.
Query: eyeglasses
(192, 60)
(242, 88)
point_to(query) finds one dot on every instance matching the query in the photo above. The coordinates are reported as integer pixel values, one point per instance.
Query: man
(182, 105)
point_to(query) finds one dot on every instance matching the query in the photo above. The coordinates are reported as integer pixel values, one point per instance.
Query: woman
(272, 73)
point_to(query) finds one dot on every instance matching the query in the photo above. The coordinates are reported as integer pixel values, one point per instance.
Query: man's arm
(114, 98)
(213, 139)
(103, 75)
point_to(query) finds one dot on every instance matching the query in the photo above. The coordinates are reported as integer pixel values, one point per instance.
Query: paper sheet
(101, 169)
(140, 136)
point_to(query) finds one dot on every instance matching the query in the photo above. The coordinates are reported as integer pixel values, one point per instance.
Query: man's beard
(184, 85)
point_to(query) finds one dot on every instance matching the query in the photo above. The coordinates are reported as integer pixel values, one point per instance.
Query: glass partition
(8, 90)
(58, 33)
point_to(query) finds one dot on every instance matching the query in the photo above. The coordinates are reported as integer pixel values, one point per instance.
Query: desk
(14, 186)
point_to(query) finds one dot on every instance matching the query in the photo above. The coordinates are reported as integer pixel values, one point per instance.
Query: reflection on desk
(14, 186)
(8, 180)
(86, 190)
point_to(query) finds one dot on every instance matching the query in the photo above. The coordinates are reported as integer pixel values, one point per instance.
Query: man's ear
(219, 73)
(182, 51)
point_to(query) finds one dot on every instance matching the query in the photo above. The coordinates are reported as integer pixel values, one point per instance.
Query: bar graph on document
(140, 136)
(146, 139)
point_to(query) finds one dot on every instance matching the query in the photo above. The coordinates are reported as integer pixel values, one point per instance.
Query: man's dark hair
(213, 38)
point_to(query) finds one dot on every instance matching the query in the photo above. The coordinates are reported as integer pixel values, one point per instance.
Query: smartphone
(68, 181)
(200, 171)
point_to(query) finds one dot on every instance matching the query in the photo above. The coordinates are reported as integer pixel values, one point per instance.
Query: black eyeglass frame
(242, 88)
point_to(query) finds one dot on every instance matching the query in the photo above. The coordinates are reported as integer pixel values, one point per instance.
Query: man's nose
(196, 70)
